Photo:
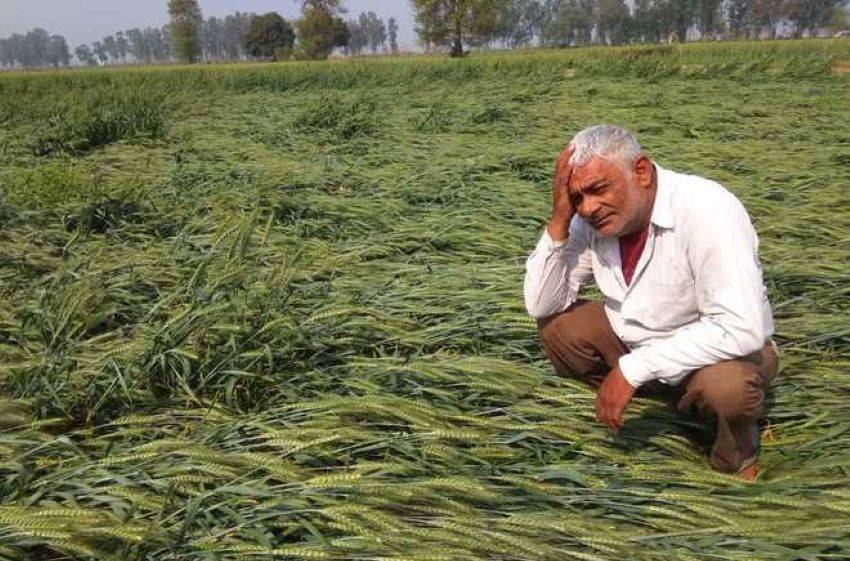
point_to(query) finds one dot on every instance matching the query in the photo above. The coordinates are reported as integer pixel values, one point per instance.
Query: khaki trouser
(581, 343)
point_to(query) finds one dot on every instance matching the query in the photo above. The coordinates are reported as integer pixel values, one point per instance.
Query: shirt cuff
(635, 369)
(552, 244)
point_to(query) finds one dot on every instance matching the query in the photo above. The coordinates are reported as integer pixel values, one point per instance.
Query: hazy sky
(84, 21)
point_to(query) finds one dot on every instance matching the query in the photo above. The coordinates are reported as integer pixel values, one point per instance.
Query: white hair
(604, 141)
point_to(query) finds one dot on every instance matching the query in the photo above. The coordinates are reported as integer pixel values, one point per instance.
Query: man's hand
(613, 398)
(562, 208)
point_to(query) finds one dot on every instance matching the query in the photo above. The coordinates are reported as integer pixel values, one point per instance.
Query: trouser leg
(580, 342)
(731, 393)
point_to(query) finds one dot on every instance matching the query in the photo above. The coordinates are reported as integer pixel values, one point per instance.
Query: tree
(376, 31)
(840, 19)
(645, 22)
(809, 15)
(100, 52)
(453, 22)
(269, 36)
(363, 21)
(57, 52)
(36, 47)
(358, 37)
(320, 29)
(85, 55)
(612, 21)
(162, 43)
(738, 15)
(234, 29)
(518, 22)
(137, 45)
(765, 15)
(392, 30)
(211, 39)
(331, 6)
(708, 17)
(186, 21)
(16, 48)
(569, 22)
(679, 16)
(111, 47)
(121, 46)
(6, 58)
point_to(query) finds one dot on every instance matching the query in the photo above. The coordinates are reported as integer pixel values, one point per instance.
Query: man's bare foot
(749, 473)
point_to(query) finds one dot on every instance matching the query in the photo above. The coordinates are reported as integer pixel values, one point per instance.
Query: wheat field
(275, 311)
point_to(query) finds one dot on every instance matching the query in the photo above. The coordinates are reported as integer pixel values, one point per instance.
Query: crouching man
(676, 259)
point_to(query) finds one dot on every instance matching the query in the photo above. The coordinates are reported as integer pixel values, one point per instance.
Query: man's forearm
(693, 346)
(559, 228)
(554, 272)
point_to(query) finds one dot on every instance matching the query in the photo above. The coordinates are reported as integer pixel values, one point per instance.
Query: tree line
(516, 23)
(453, 24)
(368, 31)
(191, 38)
(147, 45)
(218, 39)
(318, 31)
(35, 48)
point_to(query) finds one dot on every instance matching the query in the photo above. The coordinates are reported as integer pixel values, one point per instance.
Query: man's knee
(570, 328)
(556, 329)
(579, 342)
(731, 390)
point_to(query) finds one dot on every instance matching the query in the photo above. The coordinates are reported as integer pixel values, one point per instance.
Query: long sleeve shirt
(697, 296)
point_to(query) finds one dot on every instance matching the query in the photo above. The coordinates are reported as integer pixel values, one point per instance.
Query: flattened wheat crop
(274, 311)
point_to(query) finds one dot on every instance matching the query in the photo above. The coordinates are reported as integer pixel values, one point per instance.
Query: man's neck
(653, 190)
(646, 218)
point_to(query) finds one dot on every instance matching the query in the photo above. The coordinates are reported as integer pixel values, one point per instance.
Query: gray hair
(604, 141)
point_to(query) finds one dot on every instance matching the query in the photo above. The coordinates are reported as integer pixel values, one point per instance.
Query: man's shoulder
(693, 198)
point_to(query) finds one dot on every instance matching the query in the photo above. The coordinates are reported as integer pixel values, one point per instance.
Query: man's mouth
(599, 222)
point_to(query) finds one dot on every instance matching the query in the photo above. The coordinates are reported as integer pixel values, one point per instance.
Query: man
(676, 258)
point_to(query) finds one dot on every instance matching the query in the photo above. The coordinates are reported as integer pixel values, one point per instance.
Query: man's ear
(643, 169)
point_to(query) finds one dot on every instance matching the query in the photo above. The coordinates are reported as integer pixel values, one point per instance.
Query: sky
(85, 21)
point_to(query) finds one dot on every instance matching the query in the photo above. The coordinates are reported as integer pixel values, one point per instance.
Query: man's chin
(609, 231)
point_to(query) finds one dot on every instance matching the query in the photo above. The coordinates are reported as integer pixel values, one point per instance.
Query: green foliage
(50, 186)
(186, 21)
(453, 22)
(35, 48)
(104, 215)
(320, 30)
(269, 36)
(99, 120)
(292, 326)
(339, 117)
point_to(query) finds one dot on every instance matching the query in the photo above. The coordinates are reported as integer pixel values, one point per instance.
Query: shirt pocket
(666, 299)
(605, 278)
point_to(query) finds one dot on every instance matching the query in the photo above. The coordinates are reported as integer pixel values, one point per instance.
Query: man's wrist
(559, 228)
(634, 369)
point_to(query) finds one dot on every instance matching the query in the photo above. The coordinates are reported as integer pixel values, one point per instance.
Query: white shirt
(696, 297)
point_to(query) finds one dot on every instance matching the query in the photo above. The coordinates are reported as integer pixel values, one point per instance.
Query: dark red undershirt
(631, 247)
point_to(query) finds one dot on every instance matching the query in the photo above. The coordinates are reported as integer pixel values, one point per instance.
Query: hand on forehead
(598, 169)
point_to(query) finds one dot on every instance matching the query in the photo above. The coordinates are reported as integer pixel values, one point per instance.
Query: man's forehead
(597, 169)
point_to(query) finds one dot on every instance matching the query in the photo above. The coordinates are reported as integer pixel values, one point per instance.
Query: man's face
(608, 196)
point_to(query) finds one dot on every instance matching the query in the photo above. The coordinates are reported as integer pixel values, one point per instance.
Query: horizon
(87, 22)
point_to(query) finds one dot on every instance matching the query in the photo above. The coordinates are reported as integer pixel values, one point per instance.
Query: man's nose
(587, 207)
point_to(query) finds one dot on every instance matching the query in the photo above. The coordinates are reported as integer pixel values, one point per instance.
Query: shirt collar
(662, 215)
